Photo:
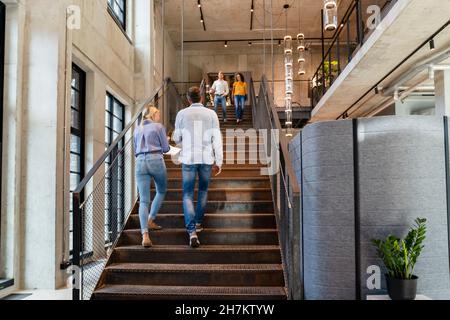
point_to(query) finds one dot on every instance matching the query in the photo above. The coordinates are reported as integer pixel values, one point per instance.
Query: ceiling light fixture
(289, 76)
(301, 44)
(432, 45)
(251, 14)
(226, 44)
(202, 18)
(330, 13)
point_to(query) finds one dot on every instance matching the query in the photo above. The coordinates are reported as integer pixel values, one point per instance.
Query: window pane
(118, 110)
(74, 181)
(75, 79)
(118, 125)
(75, 120)
(75, 144)
(75, 163)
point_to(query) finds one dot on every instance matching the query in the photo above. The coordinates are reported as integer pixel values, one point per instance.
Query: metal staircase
(251, 241)
(240, 256)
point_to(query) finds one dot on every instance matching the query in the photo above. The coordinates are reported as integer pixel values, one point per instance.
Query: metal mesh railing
(99, 220)
(103, 216)
(355, 28)
(285, 187)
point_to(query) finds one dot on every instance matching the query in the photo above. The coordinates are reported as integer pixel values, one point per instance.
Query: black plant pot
(400, 289)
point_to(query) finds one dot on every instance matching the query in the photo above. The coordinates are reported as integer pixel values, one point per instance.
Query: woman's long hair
(242, 77)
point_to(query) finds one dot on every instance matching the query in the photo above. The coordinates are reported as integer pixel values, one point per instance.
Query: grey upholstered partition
(366, 179)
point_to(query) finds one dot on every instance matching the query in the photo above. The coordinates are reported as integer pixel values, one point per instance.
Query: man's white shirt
(221, 88)
(197, 129)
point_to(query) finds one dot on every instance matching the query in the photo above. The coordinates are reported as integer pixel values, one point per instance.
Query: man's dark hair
(194, 95)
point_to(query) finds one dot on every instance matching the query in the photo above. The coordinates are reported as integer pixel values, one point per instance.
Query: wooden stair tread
(133, 290)
(225, 230)
(192, 268)
(205, 248)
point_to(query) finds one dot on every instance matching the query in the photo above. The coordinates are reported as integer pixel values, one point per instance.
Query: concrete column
(442, 88)
(95, 147)
(10, 218)
(43, 144)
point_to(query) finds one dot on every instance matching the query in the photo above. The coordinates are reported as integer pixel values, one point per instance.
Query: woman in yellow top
(240, 96)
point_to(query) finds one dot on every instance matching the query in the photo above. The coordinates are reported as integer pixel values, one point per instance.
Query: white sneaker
(198, 227)
(193, 242)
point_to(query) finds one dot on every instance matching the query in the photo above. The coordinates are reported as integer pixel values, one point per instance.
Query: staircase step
(207, 237)
(126, 292)
(227, 194)
(170, 164)
(227, 172)
(204, 254)
(223, 207)
(213, 221)
(236, 275)
(221, 182)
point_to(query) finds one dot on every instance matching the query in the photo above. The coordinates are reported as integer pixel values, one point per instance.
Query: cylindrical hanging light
(301, 57)
(301, 46)
(288, 104)
(329, 4)
(289, 76)
(287, 44)
(330, 19)
(289, 87)
(302, 68)
(289, 66)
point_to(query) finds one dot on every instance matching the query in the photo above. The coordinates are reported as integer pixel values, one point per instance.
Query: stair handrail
(286, 190)
(284, 143)
(113, 154)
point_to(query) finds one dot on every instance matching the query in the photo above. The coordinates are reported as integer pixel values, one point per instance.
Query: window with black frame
(119, 9)
(2, 63)
(77, 134)
(115, 169)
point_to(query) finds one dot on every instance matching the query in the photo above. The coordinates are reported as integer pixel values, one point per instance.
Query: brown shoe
(153, 226)
(146, 242)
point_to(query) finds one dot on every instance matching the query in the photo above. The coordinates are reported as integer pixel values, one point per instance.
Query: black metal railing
(350, 35)
(99, 220)
(285, 187)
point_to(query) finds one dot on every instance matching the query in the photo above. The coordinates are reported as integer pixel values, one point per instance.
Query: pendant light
(330, 18)
(301, 44)
(289, 76)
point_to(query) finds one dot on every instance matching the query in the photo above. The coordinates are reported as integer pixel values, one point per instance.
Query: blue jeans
(239, 103)
(223, 101)
(148, 167)
(193, 216)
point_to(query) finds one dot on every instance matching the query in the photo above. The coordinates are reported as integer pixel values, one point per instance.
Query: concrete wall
(401, 177)
(40, 51)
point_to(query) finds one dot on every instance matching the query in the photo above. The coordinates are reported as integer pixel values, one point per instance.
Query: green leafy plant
(400, 255)
(331, 71)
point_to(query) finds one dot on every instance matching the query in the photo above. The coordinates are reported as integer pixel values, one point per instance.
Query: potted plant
(400, 257)
(331, 71)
